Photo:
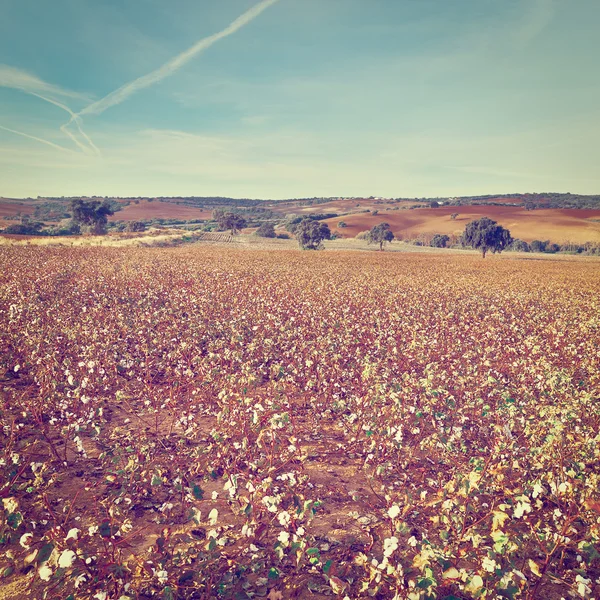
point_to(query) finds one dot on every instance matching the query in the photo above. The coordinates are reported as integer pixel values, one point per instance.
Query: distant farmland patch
(10, 208)
(557, 225)
(160, 210)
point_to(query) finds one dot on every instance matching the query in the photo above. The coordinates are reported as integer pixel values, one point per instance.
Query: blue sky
(297, 98)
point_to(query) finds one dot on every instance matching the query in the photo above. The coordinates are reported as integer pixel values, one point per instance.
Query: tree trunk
(483, 251)
(381, 246)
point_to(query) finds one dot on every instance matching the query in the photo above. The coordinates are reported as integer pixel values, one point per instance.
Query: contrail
(173, 65)
(33, 85)
(75, 118)
(37, 139)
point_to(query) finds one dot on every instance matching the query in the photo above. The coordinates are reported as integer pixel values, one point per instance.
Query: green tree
(92, 214)
(519, 246)
(539, 246)
(486, 235)
(310, 234)
(439, 241)
(266, 230)
(380, 234)
(229, 220)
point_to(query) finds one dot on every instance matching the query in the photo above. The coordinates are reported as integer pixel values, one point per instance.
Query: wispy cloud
(174, 64)
(37, 139)
(17, 79)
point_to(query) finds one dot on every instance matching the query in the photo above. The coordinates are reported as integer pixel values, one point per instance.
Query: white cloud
(19, 79)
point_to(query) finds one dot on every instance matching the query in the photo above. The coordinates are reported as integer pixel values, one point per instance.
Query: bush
(439, 241)
(342, 224)
(30, 228)
(266, 230)
(538, 246)
(519, 246)
(136, 226)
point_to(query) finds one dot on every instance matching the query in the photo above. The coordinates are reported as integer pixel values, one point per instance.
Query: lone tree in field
(310, 234)
(228, 220)
(486, 235)
(380, 234)
(91, 213)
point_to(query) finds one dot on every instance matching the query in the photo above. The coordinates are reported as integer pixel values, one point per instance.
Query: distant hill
(546, 216)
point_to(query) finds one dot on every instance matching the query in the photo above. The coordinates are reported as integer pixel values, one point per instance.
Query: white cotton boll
(393, 511)
(284, 537)
(66, 559)
(73, 533)
(26, 540)
(162, 576)
(45, 572)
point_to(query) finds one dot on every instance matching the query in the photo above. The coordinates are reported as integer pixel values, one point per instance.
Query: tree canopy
(310, 234)
(266, 230)
(92, 213)
(229, 220)
(487, 236)
(380, 234)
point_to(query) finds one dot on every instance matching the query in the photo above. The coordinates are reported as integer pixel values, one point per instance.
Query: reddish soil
(10, 208)
(159, 210)
(339, 206)
(556, 225)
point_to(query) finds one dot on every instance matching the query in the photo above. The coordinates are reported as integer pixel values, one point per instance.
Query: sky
(299, 98)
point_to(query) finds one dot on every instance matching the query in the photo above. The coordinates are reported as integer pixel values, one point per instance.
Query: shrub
(136, 226)
(439, 241)
(266, 230)
(538, 246)
(519, 246)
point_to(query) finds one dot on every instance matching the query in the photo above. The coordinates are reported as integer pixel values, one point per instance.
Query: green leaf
(425, 583)
(273, 573)
(8, 572)
(14, 520)
(105, 529)
(156, 480)
(187, 576)
(312, 551)
(327, 567)
(198, 492)
(44, 553)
